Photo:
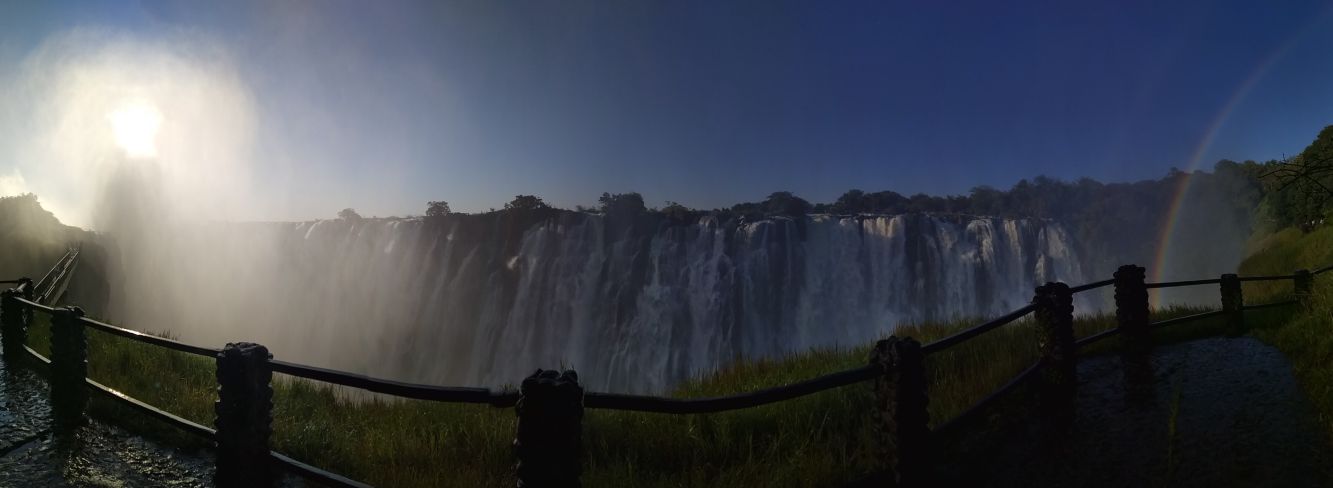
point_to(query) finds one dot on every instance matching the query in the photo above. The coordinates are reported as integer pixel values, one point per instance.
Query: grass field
(818, 440)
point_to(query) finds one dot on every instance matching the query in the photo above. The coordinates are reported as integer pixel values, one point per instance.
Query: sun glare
(135, 129)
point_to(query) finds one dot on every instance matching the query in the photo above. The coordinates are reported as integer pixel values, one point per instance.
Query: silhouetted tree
(621, 203)
(986, 200)
(526, 203)
(885, 202)
(437, 208)
(677, 212)
(1303, 185)
(922, 202)
(785, 203)
(852, 202)
(349, 214)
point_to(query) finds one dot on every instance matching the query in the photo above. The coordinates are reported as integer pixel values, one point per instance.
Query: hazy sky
(382, 106)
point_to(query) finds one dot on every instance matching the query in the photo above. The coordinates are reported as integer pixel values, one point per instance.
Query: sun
(135, 126)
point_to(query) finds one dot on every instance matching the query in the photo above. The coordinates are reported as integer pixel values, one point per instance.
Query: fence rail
(1188, 318)
(1174, 284)
(1273, 304)
(992, 397)
(57, 278)
(1096, 337)
(963, 336)
(640, 403)
(397, 388)
(295, 467)
(132, 334)
(244, 372)
(1091, 286)
(1267, 278)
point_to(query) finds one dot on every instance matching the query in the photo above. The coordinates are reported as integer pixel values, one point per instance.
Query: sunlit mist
(135, 126)
(101, 116)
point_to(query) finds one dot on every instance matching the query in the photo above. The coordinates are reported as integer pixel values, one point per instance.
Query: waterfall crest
(636, 304)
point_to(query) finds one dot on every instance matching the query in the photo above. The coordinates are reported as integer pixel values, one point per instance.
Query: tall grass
(1307, 338)
(817, 440)
(1282, 253)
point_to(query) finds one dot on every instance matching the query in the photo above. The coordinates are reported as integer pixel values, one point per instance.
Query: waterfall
(635, 304)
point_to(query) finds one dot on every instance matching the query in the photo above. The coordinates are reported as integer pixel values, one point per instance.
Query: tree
(885, 202)
(1304, 184)
(676, 212)
(437, 209)
(349, 214)
(621, 203)
(526, 203)
(986, 200)
(748, 210)
(852, 202)
(921, 203)
(785, 203)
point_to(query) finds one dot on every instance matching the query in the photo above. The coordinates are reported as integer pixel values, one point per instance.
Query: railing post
(244, 418)
(69, 366)
(549, 441)
(1233, 304)
(28, 288)
(1131, 307)
(1054, 316)
(1055, 334)
(13, 325)
(901, 420)
(1303, 282)
(1132, 315)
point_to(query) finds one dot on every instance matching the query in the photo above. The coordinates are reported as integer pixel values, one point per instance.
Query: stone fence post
(69, 366)
(1303, 282)
(1233, 304)
(1055, 334)
(28, 288)
(901, 419)
(1059, 355)
(13, 325)
(244, 416)
(1131, 308)
(549, 440)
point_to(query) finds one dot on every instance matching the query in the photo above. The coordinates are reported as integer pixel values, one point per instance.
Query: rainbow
(1165, 234)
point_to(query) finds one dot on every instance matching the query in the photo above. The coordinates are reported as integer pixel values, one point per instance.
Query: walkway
(1217, 412)
(99, 455)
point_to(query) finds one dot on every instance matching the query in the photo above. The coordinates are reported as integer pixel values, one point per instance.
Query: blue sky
(382, 106)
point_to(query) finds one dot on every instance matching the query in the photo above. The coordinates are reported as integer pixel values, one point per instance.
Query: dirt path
(1217, 412)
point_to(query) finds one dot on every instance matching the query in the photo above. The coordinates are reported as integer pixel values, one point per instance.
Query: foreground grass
(1307, 338)
(818, 440)
(1283, 253)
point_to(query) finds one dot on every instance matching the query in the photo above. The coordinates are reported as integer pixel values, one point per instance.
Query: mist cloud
(62, 102)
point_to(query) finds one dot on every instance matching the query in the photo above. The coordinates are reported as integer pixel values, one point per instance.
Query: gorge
(634, 303)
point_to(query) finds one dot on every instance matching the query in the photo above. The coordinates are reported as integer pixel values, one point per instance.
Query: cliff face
(635, 303)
